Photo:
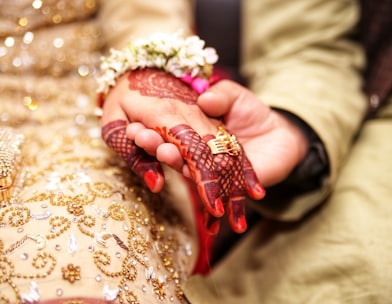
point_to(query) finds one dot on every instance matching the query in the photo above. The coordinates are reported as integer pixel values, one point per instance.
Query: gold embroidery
(4, 299)
(75, 208)
(75, 198)
(129, 297)
(42, 260)
(101, 189)
(87, 221)
(59, 225)
(10, 157)
(71, 273)
(38, 198)
(16, 216)
(101, 260)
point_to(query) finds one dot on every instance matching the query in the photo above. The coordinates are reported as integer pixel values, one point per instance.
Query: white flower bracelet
(185, 58)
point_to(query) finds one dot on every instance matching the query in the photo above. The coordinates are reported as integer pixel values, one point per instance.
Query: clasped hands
(151, 117)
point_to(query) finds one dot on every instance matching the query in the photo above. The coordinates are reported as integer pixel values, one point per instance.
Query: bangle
(184, 58)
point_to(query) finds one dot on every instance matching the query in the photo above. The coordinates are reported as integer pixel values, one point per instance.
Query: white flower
(170, 52)
(210, 55)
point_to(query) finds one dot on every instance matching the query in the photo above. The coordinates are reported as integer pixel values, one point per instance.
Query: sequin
(59, 292)
(43, 216)
(34, 294)
(110, 294)
(188, 249)
(83, 202)
(73, 243)
(83, 70)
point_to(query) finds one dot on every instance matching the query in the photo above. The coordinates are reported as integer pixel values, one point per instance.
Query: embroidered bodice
(77, 223)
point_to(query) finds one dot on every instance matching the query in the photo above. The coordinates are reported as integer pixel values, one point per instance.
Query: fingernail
(219, 207)
(259, 191)
(211, 223)
(213, 229)
(240, 225)
(150, 178)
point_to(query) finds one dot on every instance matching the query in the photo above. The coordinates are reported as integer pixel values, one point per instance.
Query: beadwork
(10, 143)
(73, 200)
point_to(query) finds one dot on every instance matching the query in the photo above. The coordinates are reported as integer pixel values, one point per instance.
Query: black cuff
(308, 174)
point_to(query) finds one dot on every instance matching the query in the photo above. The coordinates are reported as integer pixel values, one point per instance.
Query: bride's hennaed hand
(141, 163)
(160, 102)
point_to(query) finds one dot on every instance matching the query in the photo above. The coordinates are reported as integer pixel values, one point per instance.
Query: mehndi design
(223, 176)
(142, 164)
(222, 179)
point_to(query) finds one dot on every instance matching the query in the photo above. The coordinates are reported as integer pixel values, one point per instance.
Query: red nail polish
(211, 223)
(150, 178)
(214, 228)
(219, 207)
(240, 226)
(259, 191)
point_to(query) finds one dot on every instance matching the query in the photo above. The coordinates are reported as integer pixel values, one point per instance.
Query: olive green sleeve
(298, 56)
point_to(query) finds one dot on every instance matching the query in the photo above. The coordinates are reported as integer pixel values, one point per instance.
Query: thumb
(220, 98)
(241, 111)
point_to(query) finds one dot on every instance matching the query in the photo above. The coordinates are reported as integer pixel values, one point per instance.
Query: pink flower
(200, 85)
(187, 78)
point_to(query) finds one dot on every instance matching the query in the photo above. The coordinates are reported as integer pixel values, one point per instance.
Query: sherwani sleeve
(299, 56)
(122, 20)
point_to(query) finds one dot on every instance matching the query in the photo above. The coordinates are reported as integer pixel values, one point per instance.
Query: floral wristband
(184, 58)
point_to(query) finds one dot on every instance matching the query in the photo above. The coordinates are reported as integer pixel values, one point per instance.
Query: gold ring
(224, 143)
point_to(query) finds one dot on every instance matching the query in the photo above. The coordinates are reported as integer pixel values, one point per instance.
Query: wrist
(303, 141)
(184, 58)
(312, 159)
(299, 138)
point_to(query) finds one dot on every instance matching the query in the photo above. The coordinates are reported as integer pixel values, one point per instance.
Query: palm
(273, 144)
(271, 152)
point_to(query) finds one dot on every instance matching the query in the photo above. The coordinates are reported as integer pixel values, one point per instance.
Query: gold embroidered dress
(74, 222)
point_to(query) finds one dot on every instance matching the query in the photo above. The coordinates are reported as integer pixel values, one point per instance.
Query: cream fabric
(123, 20)
(79, 223)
